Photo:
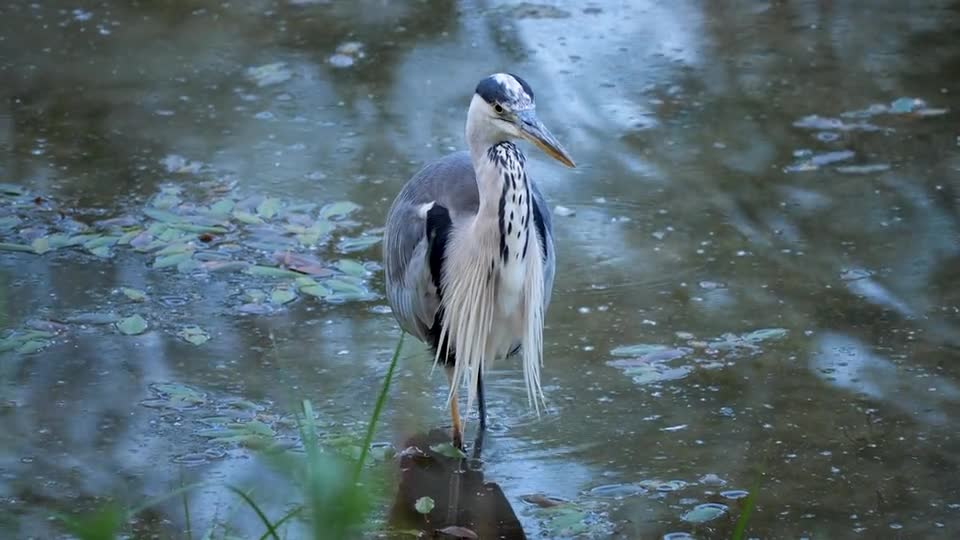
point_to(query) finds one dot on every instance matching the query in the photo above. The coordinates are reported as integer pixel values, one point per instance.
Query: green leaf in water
(100, 251)
(268, 208)
(32, 346)
(309, 236)
(194, 334)
(339, 209)
(125, 239)
(162, 216)
(254, 296)
(448, 450)
(351, 267)
(9, 222)
(100, 241)
(132, 325)
(41, 245)
(223, 207)
(637, 350)
(174, 249)
(318, 291)
(167, 261)
(6, 246)
(282, 295)
(271, 271)
(187, 266)
(703, 513)
(424, 505)
(357, 243)
(246, 217)
(765, 334)
(12, 189)
(134, 294)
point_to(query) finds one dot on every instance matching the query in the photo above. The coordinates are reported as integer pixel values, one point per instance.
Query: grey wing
(544, 223)
(449, 182)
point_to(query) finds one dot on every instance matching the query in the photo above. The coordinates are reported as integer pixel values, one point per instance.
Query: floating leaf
(128, 236)
(318, 291)
(12, 189)
(32, 346)
(309, 236)
(448, 450)
(637, 350)
(5, 246)
(338, 209)
(246, 217)
(222, 207)
(9, 222)
(270, 271)
(134, 294)
(357, 243)
(765, 334)
(101, 251)
(352, 267)
(703, 513)
(167, 261)
(282, 295)
(132, 326)
(162, 216)
(41, 245)
(174, 249)
(194, 334)
(268, 208)
(424, 505)
(302, 263)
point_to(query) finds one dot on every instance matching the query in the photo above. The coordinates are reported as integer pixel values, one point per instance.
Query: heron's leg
(481, 402)
(455, 412)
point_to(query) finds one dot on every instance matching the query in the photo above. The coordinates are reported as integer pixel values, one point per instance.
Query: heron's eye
(498, 108)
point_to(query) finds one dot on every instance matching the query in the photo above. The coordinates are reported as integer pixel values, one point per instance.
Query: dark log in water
(464, 504)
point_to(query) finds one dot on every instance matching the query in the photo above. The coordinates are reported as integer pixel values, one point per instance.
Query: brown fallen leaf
(304, 264)
(541, 500)
(458, 532)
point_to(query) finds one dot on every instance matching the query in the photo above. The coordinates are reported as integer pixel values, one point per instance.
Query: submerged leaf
(339, 209)
(703, 513)
(352, 267)
(194, 334)
(268, 208)
(246, 217)
(167, 261)
(132, 326)
(41, 245)
(6, 246)
(282, 295)
(424, 505)
(448, 450)
(134, 294)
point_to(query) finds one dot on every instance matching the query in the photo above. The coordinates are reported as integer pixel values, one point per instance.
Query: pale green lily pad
(101, 251)
(19, 341)
(282, 295)
(175, 396)
(765, 334)
(162, 216)
(637, 350)
(703, 513)
(268, 208)
(246, 217)
(318, 291)
(357, 243)
(309, 236)
(254, 296)
(132, 326)
(351, 267)
(12, 189)
(175, 249)
(194, 334)
(134, 294)
(339, 209)
(41, 245)
(424, 505)
(126, 237)
(9, 222)
(166, 261)
(32, 346)
(222, 207)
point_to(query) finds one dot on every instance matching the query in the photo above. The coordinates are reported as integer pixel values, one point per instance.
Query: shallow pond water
(757, 255)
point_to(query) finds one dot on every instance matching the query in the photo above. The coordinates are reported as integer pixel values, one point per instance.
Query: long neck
(497, 162)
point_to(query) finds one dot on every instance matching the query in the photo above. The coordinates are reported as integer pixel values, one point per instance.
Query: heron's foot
(457, 438)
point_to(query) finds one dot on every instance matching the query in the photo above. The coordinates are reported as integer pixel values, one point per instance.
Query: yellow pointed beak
(534, 131)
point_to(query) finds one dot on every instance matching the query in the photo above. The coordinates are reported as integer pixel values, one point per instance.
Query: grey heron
(468, 248)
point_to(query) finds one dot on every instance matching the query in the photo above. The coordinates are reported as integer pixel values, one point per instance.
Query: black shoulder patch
(541, 228)
(438, 229)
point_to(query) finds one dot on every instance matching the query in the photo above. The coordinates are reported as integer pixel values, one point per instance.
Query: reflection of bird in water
(468, 247)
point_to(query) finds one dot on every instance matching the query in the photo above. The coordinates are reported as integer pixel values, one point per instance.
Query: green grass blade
(744, 517)
(270, 528)
(290, 515)
(375, 417)
(186, 509)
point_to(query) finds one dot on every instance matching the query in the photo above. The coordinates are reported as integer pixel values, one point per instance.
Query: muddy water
(758, 254)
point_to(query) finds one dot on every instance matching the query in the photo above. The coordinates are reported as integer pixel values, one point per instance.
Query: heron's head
(503, 109)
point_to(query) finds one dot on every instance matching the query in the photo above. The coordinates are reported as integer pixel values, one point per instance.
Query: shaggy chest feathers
(514, 218)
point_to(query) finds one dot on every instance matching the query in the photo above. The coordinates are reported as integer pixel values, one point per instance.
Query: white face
(491, 122)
